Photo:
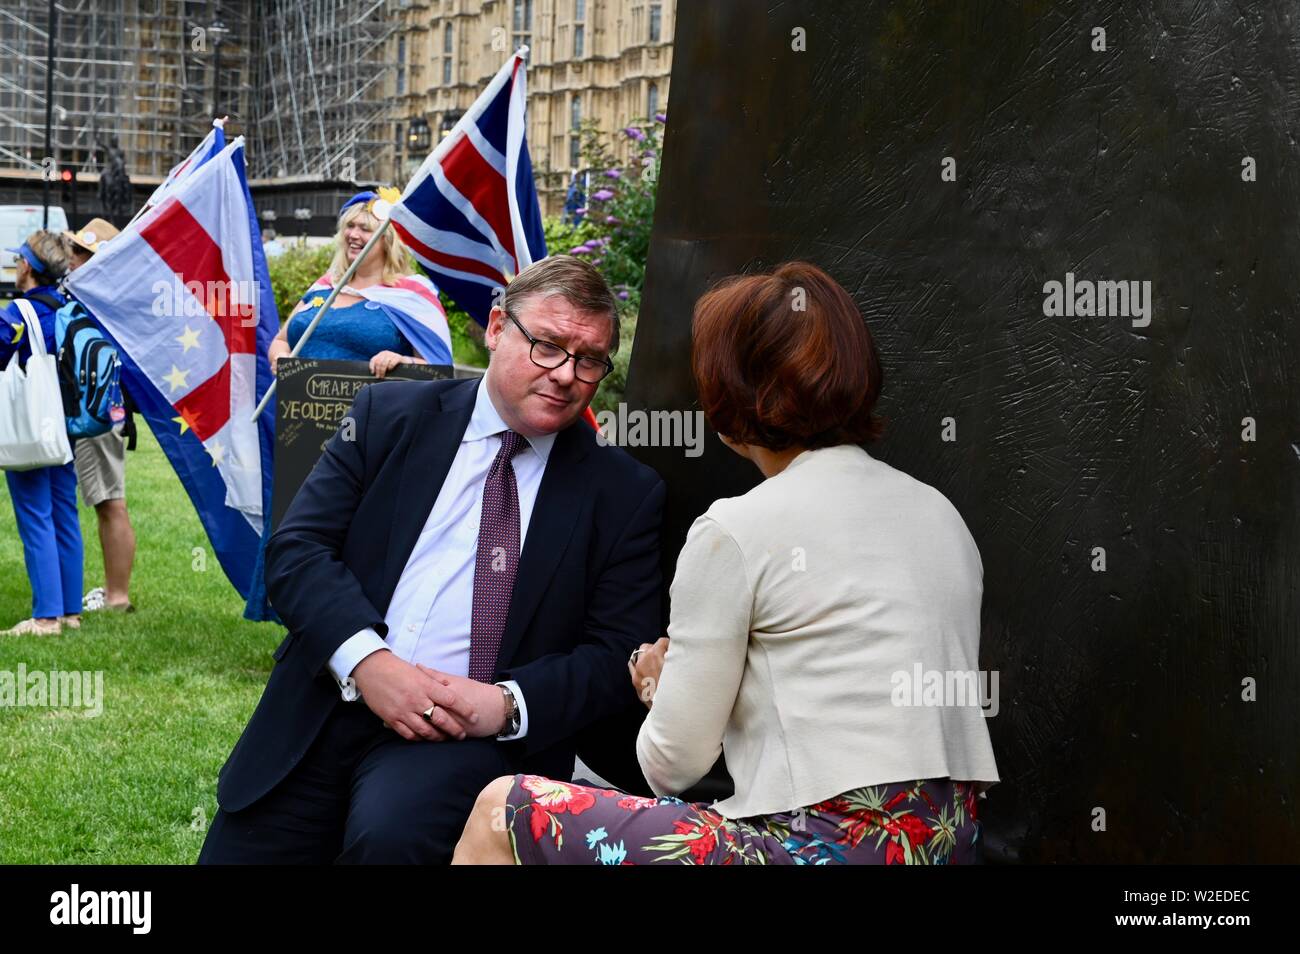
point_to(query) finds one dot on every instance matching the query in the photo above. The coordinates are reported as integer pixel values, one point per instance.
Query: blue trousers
(45, 506)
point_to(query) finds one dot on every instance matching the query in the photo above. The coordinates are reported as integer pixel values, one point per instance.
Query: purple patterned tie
(496, 560)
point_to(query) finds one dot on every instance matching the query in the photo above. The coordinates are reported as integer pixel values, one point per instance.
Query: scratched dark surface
(1120, 690)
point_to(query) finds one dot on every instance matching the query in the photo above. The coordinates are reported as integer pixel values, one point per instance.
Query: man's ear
(495, 327)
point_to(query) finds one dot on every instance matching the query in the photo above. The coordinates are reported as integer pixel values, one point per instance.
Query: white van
(16, 223)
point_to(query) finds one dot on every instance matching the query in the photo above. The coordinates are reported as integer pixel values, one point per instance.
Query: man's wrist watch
(511, 725)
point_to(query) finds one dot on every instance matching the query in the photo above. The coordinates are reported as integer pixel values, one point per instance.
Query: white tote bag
(33, 430)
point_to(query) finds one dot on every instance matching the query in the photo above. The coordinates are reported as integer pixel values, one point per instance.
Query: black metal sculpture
(1127, 457)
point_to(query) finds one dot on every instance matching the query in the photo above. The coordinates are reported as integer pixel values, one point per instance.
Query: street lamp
(449, 120)
(51, 32)
(217, 32)
(418, 135)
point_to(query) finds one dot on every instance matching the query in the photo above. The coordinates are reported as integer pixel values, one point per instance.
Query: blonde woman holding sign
(385, 315)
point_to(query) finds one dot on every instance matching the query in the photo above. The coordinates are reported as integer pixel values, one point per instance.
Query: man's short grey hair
(574, 280)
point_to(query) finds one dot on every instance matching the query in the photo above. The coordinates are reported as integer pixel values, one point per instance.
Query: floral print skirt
(927, 822)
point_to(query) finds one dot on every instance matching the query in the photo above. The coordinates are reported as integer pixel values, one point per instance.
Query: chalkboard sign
(311, 400)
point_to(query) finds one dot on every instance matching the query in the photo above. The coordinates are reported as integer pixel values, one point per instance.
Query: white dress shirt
(429, 616)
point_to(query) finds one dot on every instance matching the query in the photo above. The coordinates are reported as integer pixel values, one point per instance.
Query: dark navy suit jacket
(587, 590)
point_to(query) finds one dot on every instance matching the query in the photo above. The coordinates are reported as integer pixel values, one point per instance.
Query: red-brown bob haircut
(786, 360)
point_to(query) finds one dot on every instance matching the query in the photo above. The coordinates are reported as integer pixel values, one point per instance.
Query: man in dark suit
(464, 576)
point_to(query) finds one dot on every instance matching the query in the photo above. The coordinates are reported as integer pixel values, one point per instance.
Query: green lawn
(137, 784)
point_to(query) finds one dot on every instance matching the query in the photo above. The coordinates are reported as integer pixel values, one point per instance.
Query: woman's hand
(275, 352)
(647, 669)
(385, 361)
(279, 346)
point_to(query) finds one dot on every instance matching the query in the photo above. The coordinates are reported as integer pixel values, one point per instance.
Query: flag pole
(334, 293)
(220, 124)
(442, 146)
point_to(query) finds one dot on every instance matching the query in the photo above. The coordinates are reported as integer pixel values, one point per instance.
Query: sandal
(97, 600)
(34, 627)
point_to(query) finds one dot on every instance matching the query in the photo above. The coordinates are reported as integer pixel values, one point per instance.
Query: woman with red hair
(801, 613)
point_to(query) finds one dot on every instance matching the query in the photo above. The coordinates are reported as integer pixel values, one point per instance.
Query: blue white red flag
(413, 307)
(470, 214)
(185, 295)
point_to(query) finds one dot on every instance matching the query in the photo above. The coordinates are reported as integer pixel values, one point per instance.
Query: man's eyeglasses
(549, 355)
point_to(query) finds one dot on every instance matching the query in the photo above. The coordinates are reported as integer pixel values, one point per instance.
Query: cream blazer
(823, 627)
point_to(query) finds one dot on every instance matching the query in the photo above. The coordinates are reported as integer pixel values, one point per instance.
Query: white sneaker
(96, 599)
(34, 627)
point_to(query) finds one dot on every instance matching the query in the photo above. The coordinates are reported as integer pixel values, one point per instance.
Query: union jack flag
(470, 214)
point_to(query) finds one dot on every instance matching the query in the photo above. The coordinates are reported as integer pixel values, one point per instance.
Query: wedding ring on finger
(635, 654)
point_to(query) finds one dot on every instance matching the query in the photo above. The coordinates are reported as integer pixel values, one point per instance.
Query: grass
(136, 784)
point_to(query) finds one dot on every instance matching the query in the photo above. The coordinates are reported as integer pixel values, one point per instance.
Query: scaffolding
(303, 80)
(321, 72)
(140, 75)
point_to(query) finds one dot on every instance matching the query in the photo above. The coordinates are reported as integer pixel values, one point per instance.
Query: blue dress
(355, 332)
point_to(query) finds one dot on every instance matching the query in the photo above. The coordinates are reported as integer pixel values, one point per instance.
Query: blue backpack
(90, 373)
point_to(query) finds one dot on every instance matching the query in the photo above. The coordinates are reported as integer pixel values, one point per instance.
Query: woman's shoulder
(11, 316)
(42, 301)
(414, 282)
(743, 519)
(319, 289)
(848, 464)
(821, 485)
(711, 543)
(45, 295)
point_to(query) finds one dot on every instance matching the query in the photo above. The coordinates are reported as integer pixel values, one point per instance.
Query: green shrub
(611, 390)
(294, 271)
(466, 335)
(615, 233)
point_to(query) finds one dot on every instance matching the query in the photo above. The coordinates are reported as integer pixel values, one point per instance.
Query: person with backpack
(102, 425)
(45, 498)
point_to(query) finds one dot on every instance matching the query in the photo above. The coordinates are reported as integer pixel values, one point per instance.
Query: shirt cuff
(523, 710)
(346, 657)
